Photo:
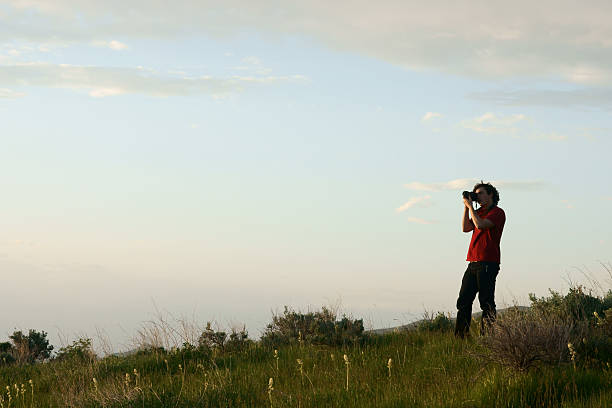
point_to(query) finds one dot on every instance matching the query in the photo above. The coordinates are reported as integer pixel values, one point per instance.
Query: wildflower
(136, 377)
(270, 389)
(333, 358)
(572, 351)
(271, 384)
(347, 363)
(276, 358)
(389, 363)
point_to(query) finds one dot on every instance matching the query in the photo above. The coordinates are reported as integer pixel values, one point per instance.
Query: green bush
(219, 341)
(6, 347)
(80, 350)
(577, 304)
(145, 351)
(319, 327)
(31, 347)
(576, 326)
(439, 323)
(6, 358)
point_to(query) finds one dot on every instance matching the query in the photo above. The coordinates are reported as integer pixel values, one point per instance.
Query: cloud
(422, 221)
(8, 93)
(565, 40)
(491, 123)
(431, 115)
(550, 136)
(254, 64)
(113, 45)
(448, 185)
(108, 81)
(535, 185)
(468, 184)
(599, 98)
(424, 201)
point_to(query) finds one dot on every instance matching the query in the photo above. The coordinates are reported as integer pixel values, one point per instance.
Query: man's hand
(468, 202)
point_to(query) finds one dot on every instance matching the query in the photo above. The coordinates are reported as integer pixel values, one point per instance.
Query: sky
(220, 160)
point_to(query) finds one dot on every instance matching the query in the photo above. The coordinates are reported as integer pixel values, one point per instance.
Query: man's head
(487, 194)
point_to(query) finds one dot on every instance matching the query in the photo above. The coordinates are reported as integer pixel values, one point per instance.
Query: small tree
(31, 347)
(212, 339)
(218, 340)
(320, 327)
(79, 350)
(440, 322)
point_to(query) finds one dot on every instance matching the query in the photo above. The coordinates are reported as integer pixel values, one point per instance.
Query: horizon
(225, 160)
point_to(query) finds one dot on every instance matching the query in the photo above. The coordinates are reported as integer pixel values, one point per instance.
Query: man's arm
(480, 223)
(466, 223)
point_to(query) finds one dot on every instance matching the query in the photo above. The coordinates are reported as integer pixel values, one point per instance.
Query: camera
(471, 195)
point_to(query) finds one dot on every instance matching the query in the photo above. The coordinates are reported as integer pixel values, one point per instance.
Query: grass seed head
(572, 351)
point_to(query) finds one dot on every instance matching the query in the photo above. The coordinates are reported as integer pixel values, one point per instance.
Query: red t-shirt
(484, 245)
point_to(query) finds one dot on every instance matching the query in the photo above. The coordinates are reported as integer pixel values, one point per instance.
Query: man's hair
(490, 190)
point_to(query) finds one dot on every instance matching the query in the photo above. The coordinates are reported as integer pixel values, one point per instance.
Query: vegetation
(25, 348)
(557, 353)
(321, 327)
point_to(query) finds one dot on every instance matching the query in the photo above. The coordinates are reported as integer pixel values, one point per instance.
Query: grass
(428, 369)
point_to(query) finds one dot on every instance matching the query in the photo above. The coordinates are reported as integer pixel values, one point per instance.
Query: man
(486, 224)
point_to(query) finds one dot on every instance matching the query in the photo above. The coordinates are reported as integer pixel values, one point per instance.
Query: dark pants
(479, 277)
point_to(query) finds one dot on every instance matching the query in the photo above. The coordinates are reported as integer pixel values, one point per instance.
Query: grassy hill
(524, 361)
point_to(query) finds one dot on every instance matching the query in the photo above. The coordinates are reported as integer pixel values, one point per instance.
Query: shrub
(439, 323)
(576, 305)
(597, 346)
(31, 347)
(6, 347)
(150, 350)
(523, 339)
(319, 327)
(6, 358)
(218, 340)
(80, 350)
(190, 352)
